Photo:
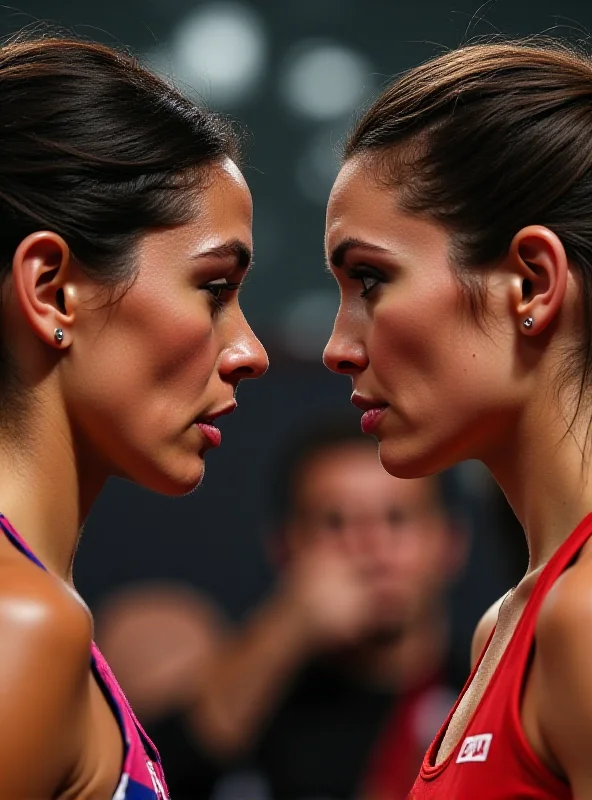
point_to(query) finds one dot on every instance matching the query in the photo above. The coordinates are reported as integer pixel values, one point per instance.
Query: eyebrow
(338, 253)
(235, 248)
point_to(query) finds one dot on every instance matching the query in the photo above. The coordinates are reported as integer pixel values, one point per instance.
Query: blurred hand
(331, 592)
(156, 638)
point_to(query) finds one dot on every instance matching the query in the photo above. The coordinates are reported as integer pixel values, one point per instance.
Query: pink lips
(371, 418)
(373, 410)
(211, 432)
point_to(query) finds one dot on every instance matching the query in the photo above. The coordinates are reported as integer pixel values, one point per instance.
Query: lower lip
(211, 432)
(371, 419)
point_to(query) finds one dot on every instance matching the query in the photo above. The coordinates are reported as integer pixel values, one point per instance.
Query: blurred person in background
(351, 647)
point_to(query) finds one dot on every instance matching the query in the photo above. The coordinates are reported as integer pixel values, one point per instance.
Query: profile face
(147, 373)
(438, 385)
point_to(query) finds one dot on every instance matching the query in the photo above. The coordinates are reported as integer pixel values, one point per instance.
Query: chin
(170, 482)
(183, 485)
(407, 462)
(180, 488)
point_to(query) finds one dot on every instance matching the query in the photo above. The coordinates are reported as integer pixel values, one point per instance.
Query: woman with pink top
(125, 233)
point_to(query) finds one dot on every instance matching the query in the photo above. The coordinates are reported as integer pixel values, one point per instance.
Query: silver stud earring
(528, 322)
(58, 335)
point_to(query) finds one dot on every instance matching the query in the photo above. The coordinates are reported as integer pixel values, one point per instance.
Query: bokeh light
(323, 80)
(220, 51)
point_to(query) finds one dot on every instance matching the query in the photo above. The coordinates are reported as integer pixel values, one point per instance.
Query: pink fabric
(142, 777)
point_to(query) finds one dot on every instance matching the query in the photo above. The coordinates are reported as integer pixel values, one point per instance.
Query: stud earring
(528, 322)
(58, 335)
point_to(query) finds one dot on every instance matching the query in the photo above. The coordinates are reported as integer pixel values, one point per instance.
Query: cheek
(405, 351)
(429, 340)
(187, 343)
(164, 327)
(399, 334)
(147, 364)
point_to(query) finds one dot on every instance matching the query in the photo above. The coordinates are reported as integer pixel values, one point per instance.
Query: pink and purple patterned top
(142, 777)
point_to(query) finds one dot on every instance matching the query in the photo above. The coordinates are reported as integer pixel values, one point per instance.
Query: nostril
(244, 372)
(250, 371)
(346, 366)
(345, 357)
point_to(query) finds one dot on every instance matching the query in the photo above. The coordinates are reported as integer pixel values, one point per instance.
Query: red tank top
(494, 760)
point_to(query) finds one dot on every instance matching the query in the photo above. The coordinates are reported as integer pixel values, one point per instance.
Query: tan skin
(413, 346)
(118, 396)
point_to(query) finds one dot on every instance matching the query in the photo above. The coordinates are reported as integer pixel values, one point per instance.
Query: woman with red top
(459, 230)
(125, 232)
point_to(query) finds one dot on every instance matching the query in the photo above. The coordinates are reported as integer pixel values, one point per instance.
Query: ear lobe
(540, 259)
(40, 271)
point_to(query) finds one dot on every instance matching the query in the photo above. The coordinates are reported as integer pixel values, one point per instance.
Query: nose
(245, 357)
(367, 537)
(345, 352)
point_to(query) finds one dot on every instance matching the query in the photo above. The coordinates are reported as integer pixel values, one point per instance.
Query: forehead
(225, 200)
(221, 211)
(362, 207)
(357, 195)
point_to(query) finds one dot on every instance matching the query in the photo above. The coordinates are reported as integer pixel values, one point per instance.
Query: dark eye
(218, 290)
(368, 277)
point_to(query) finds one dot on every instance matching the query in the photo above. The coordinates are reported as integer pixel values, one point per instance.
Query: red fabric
(499, 763)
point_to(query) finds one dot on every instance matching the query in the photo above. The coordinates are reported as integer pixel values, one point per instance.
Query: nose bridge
(365, 535)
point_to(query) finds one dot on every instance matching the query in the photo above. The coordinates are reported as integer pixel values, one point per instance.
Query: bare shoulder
(45, 636)
(43, 610)
(566, 611)
(484, 629)
(561, 672)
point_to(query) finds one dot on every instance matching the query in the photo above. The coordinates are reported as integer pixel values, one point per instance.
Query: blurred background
(293, 73)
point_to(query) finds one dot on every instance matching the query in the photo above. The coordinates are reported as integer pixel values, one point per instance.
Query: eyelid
(222, 283)
(218, 288)
(364, 272)
(365, 269)
(218, 273)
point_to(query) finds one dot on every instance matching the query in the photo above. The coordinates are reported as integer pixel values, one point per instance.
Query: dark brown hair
(96, 148)
(486, 140)
(92, 146)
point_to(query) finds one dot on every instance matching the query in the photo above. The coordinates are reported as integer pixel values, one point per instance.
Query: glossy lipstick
(211, 432)
(371, 418)
(373, 410)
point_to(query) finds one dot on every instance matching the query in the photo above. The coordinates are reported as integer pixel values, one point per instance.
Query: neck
(44, 494)
(547, 478)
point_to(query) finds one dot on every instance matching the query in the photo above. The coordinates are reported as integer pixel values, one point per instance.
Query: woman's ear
(539, 263)
(42, 279)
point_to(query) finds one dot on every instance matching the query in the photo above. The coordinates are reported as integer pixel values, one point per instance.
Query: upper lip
(366, 403)
(218, 412)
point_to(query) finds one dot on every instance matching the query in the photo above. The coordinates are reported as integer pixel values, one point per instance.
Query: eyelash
(216, 289)
(364, 274)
